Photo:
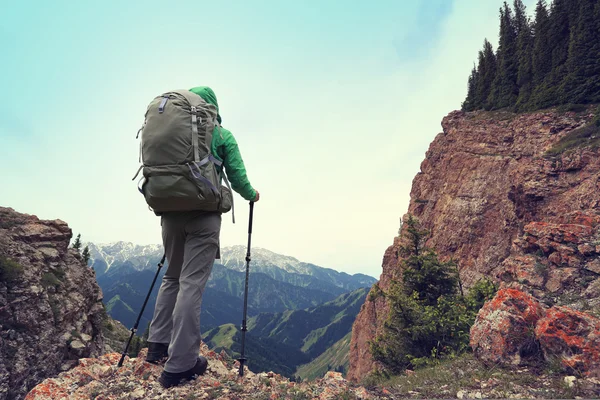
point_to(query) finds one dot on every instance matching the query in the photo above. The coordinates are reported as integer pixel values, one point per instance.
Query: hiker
(191, 241)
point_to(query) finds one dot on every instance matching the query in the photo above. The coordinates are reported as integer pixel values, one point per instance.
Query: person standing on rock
(190, 230)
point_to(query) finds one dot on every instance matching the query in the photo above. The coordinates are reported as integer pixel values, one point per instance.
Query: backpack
(179, 171)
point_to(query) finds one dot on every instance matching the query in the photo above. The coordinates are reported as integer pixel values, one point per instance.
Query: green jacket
(225, 148)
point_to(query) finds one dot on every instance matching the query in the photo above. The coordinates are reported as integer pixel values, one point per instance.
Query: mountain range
(296, 309)
(283, 342)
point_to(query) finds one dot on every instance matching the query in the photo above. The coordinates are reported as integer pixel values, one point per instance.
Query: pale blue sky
(333, 103)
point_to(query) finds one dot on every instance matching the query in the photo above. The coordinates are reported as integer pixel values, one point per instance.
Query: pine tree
(77, 243)
(487, 74)
(551, 61)
(423, 272)
(559, 33)
(582, 82)
(424, 319)
(504, 91)
(550, 53)
(524, 54)
(469, 104)
(542, 55)
(86, 255)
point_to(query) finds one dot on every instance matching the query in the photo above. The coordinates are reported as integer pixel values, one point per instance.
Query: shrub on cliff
(10, 270)
(429, 316)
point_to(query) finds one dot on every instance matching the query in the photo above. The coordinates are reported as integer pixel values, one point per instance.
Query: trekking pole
(242, 358)
(135, 326)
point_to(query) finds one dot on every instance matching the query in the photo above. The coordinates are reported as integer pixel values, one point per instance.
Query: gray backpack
(179, 171)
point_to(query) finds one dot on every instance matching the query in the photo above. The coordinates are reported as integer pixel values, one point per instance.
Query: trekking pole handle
(251, 216)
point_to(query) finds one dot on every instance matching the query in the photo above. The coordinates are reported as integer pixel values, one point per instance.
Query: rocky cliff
(50, 305)
(509, 196)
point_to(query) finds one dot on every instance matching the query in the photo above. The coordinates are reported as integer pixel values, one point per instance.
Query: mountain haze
(285, 341)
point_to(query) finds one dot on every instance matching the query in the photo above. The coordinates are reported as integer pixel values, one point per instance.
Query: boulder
(504, 331)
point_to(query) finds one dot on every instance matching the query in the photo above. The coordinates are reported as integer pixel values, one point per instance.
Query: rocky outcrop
(497, 201)
(504, 329)
(572, 338)
(50, 305)
(137, 379)
(515, 328)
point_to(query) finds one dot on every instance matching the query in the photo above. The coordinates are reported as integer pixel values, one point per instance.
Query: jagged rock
(497, 203)
(100, 378)
(514, 324)
(46, 298)
(504, 330)
(571, 337)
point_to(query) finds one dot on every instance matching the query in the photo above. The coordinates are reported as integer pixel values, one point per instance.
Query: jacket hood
(208, 95)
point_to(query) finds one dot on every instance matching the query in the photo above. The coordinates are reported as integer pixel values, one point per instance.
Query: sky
(333, 105)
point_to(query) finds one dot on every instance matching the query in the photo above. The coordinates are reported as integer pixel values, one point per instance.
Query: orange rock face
(505, 327)
(499, 205)
(573, 338)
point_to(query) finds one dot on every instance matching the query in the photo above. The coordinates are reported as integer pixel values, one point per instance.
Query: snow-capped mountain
(120, 257)
(235, 257)
(115, 255)
(289, 268)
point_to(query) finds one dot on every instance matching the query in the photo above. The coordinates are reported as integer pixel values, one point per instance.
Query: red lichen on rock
(504, 329)
(571, 336)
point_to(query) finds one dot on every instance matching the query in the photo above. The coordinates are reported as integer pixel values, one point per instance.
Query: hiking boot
(169, 379)
(157, 352)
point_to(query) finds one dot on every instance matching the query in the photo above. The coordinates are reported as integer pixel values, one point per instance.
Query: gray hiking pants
(191, 241)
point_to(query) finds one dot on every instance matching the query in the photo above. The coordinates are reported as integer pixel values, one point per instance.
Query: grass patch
(575, 108)
(108, 325)
(586, 136)
(375, 292)
(10, 271)
(49, 279)
(467, 374)
(470, 376)
(497, 115)
(59, 273)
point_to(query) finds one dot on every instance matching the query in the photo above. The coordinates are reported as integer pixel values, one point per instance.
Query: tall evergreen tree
(428, 316)
(552, 60)
(547, 93)
(559, 33)
(487, 74)
(582, 82)
(504, 90)
(77, 242)
(542, 54)
(524, 54)
(86, 255)
(470, 104)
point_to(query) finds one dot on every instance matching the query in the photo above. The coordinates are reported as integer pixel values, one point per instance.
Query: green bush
(59, 273)
(108, 325)
(375, 292)
(49, 279)
(429, 319)
(10, 271)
